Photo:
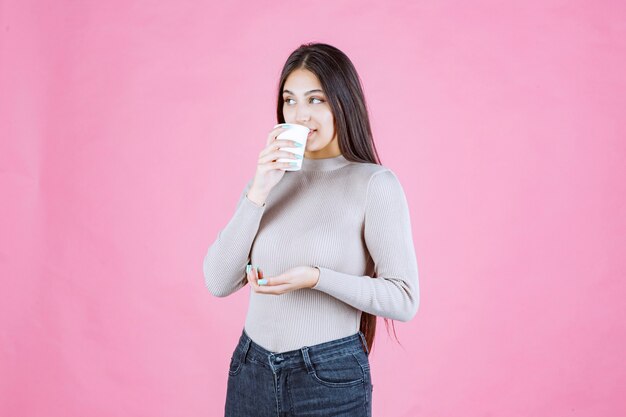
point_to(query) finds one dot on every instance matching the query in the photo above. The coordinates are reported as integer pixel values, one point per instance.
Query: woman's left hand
(290, 280)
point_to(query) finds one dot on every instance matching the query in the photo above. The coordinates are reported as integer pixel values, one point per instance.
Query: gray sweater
(351, 220)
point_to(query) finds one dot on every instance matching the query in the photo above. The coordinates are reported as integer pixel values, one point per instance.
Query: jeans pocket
(235, 363)
(338, 371)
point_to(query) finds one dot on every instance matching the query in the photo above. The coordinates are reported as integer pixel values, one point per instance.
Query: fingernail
(262, 281)
(248, 268)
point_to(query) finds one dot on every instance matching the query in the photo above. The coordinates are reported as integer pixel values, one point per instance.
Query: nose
(302, 114)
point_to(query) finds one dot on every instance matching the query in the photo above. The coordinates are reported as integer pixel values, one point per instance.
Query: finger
(274, 159)
(276, 146)
(260, 277)
(255, 270)
(277, 280)
(262, 280)
(274, 289)
(277, 165)
(279, 153)
(250, 276)
(256, 275)
(274, 133)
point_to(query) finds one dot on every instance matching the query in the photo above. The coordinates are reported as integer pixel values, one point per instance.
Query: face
(305, 103)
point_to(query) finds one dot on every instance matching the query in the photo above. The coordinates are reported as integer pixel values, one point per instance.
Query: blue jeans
(327, 379)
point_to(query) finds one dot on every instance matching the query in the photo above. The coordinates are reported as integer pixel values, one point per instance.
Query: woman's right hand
(269, 172)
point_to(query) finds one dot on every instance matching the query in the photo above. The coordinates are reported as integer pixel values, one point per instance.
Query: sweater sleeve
(394, 291)
(225, 262)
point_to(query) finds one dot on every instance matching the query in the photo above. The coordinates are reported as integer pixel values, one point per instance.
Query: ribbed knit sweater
(351, 221)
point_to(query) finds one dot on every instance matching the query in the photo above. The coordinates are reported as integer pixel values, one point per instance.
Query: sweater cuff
(327, 280)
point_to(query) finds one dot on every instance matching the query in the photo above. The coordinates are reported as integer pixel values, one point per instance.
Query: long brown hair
(342, 86)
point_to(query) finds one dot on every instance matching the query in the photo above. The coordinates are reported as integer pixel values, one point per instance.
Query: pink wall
(128, 129)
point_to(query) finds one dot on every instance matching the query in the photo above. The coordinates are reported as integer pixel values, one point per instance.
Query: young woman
(331, 246)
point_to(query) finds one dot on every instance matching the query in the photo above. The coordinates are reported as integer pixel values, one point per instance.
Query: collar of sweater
(324, 164)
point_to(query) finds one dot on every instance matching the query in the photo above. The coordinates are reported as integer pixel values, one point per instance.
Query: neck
(324, 164)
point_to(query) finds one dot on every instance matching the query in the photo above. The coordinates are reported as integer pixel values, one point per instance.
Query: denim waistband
(295, 358)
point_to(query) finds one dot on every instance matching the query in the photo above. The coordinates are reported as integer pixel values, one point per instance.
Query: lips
(312, 131)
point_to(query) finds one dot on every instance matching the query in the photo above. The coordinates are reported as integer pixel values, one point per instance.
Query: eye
(319, 100)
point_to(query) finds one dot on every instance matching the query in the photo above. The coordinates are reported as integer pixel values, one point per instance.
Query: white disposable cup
(298, 133)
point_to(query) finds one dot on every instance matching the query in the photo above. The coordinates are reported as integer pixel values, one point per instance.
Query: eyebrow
(306, 94)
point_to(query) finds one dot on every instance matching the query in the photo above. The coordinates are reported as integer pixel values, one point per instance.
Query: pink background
(128, 129)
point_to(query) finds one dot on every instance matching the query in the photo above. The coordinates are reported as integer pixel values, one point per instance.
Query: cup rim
(291, 126)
